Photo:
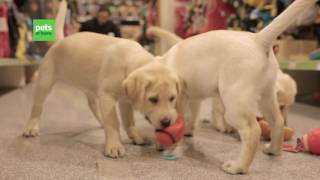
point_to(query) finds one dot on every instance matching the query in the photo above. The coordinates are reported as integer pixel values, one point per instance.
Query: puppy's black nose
(165, 122)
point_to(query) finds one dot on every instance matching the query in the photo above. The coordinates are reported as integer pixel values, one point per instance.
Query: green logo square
(43, 30)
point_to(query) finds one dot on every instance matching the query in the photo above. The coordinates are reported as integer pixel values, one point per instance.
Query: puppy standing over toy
(239, 69)
(286, 87)
(108, 70)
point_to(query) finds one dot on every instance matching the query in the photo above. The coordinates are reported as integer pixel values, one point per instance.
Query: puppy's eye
(172, 98)
(153, 100)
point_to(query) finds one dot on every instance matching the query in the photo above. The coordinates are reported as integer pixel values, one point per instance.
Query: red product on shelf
(198, 16)
(4, 34)
(217, 14)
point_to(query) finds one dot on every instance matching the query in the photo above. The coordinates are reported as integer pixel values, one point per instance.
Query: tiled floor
(71, 143)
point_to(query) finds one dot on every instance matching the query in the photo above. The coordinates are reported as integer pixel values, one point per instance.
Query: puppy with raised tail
(286, 87)
(108, 70)
(239, 70)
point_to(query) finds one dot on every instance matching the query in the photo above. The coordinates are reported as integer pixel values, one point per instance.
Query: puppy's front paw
(159, 147)
(115, 150)
(141, 140)
(233, 167)
(31, 132)
(137, 138)
(223, 127)
(189, 131)
(271, 151)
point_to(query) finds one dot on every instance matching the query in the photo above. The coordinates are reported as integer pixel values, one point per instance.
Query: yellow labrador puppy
(239, 69)
(108, 70)
(286, 93)
(286, 90)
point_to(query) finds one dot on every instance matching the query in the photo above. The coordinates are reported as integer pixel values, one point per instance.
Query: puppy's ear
(135, 88)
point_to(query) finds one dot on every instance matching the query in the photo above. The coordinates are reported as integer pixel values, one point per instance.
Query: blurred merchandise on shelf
(4, 31)
(315, 55)
(13, 29)
(16, 21)
(253, 15)
(21, 44)
(133, 16)
(197, 16)
(130, 15)
(16, 28)
(126, 13)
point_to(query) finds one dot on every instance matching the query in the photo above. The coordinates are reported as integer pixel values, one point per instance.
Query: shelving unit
(306, 74)
(16, 72)
(303, 66)
(5, 62)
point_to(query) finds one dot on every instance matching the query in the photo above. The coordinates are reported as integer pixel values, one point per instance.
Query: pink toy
(309, 142)
(173, 133)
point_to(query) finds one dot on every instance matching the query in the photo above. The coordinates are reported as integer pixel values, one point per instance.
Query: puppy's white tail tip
(59, 22)
(267, 35)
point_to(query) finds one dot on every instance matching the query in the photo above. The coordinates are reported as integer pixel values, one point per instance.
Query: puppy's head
(153, 90)
(286, 89)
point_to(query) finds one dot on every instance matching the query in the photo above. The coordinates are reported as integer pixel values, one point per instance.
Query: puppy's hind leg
(133, 133)
(218, 112)
(42, 88)
(240, 114)
(284, 113)
(271, 112)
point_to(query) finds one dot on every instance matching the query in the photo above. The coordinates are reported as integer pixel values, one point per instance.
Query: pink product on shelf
(4, 34)
(198, 16)
(4, 45)
(217, 14)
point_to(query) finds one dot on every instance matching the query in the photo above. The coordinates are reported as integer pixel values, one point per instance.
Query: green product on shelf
(315, 55)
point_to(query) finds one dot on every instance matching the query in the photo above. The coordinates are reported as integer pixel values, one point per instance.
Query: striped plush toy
(309, 142)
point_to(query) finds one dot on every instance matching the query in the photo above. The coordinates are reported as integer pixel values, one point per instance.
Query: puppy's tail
(59, 22)
(267, 35)
(170, 38)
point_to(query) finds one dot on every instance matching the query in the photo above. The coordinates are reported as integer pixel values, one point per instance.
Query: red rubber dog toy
(266, 130)
(171, 134)
(309, 142)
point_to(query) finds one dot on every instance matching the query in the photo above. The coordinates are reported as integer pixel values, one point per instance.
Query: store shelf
(286, 65)
(6, 62)
(303, 66)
